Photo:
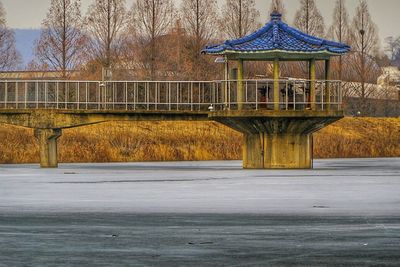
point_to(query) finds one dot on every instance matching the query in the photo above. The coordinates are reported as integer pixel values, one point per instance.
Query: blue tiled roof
(278, 36)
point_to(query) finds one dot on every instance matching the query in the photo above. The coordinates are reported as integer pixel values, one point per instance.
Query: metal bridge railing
(166, 95)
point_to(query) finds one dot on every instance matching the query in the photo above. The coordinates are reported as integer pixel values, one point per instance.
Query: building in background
(390, 80)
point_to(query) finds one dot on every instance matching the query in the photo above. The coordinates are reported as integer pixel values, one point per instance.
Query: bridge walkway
(50, 106)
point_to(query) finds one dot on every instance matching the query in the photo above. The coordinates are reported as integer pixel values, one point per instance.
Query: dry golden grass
(156, 141)
(359, 137)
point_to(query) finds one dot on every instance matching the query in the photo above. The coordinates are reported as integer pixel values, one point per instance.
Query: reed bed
(172, 141)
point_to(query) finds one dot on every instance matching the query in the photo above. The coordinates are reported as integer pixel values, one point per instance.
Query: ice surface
(342, 213)
(334, 187)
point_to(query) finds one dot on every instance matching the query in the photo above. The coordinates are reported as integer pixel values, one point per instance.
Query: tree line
(156, 40)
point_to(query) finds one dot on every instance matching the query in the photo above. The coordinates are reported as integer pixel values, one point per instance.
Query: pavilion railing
(167, 95)
(294, 94)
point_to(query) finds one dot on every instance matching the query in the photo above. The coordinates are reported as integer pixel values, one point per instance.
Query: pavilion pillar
(328, 84)
(240, 92)
(226, 84)
(276, 84)
(312, 73)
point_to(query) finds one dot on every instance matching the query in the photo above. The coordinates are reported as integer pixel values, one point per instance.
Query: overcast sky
(30, 13)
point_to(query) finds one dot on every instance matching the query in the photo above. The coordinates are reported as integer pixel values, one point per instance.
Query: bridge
(50, 106)
(277, 116)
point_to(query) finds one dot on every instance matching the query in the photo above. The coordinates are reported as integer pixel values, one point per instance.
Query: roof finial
(276, 16)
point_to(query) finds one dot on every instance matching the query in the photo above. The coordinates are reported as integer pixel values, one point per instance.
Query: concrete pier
(277, 151)
(277, 139)
(47, 139)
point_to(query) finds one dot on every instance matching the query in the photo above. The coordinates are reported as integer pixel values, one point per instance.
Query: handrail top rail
(143, 81)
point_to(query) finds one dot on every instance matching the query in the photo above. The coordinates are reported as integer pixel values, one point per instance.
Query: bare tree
(278, 6)
(61, 45)
(365, 42)
(199, 21)
(150, 19)
(393, 49)
(308, 19)
(9, 56)
(239, 18)
(392, 45)
(105, 23)
(340, 30)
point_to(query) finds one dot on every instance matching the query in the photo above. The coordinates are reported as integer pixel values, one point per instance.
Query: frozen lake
(366, 186)
(200, 213)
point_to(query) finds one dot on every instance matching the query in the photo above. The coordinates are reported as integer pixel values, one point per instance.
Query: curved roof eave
(281, 54)
(268, 40)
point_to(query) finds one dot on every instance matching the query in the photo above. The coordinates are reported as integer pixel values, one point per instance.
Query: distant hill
(25, 40)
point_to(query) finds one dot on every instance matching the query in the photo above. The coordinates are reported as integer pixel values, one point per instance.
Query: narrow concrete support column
(312, 83)
(276, 84)
(48, 146)
(328, 85)
(277, 151)
(240, 91)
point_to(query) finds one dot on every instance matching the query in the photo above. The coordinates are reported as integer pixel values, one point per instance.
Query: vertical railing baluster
(45, 94)
(26, 95)
(169, 96)
(203, 94)
(147, 100)
(305, 100)
(215, 94)
(178, 95)
(267, 96)
(156, 95)
(37, 94)
(126, 95)
(86, 95)
(135, 89)
(257, 94)
(66, 85)
(246, 92)
(98, 97)
(200, 104)
(340, 100)
(287, 96)
(294, 96)
(78, 98)
(229, 94)
(188, 94)
(16, 95)
(191, 96)
(5, 94)
(57, 94)
(115, 94)
(322, 95)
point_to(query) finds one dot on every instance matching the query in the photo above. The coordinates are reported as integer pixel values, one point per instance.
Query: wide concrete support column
(48, 146)
(277, 151)
(240, 91)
